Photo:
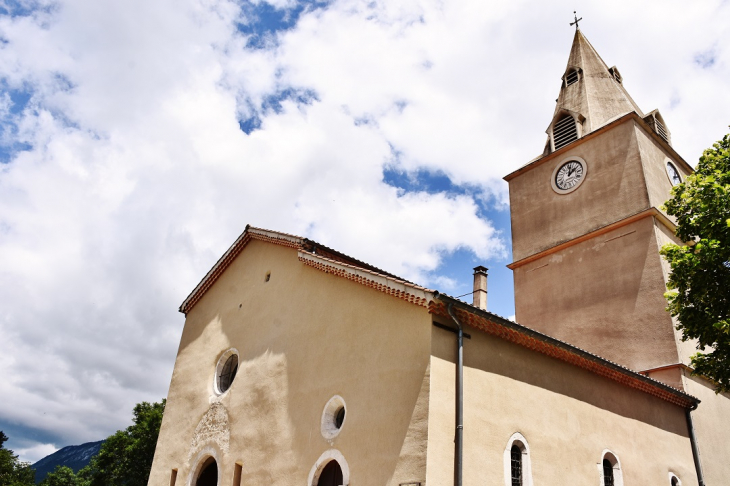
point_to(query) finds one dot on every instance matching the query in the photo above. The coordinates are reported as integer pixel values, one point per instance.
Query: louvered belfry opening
(564, 132)
(571, 77)
(661, 130)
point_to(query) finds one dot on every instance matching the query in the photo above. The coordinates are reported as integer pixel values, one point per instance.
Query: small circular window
(226, 371)
(673, 174)
(333, 417)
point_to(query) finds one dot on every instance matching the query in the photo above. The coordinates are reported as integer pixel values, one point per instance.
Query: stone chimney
(480, 287)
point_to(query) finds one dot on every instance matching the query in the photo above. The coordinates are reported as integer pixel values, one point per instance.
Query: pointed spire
(591, 92)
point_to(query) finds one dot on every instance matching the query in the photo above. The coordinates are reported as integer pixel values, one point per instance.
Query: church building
(300, 365)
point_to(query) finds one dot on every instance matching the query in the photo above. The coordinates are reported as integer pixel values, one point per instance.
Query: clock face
(569, 175)
(673, 174)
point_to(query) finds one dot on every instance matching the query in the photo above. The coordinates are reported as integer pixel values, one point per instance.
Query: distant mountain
(74, 457)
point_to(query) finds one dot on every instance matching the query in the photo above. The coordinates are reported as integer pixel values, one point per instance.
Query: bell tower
(587, 225)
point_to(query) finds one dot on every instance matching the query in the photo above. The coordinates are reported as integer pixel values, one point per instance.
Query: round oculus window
(569, 175)
(673, 174)
(226, 371)
(333, 417)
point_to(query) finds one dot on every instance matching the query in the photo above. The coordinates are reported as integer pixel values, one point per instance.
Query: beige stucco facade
(302, 337)
(567, 415)
(305, 333)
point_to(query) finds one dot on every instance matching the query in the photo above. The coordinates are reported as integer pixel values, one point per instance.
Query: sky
(138, 138)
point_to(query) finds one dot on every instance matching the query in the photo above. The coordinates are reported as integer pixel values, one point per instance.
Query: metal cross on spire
(576, 20)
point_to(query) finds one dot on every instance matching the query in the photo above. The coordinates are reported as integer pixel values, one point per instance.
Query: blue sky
(137, 139)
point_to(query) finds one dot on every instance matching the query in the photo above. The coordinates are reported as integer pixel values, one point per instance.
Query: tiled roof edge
(610, 369)
(385, 283)
(224, 261)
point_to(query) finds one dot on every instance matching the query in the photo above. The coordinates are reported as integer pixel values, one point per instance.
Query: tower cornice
(647, 213)
(608, 126)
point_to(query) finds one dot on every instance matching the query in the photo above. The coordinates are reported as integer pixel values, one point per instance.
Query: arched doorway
(331, 475)
(208, 473)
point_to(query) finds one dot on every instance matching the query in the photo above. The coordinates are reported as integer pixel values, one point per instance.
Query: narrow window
(516, 465)
(610, 469)
(237, 475)
(607, 473)
(675, 481)
(173, 477)
(564, 132)
(517, 469)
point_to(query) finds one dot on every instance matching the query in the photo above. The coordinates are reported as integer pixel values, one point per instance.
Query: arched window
(516, 465)
(331, 469)
(571, 77)
(674, 480)
(610, 469)
(517, 468)
(564, 131)
(208, 473)
(331, 475)
(607, 473)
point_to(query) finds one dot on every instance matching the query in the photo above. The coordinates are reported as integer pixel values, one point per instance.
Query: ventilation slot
(564, 132)
(571, 78)
(661, 130)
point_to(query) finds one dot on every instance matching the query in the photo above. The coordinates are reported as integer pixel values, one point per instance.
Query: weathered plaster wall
(568, 416)
(605, 295)
(685, 348)
(712, 428)
(302, 337)
(613, 189)
(654, 158)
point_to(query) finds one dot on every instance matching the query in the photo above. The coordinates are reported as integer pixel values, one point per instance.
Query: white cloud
(35, 453)
(140, 177)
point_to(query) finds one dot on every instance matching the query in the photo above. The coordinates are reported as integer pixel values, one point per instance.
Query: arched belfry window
(571, 77)
(565, 131)
(610, 470)
(656, 122)
(517, 467)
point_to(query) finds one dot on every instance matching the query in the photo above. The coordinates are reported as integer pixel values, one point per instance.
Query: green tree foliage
(61, 476)
(12, 471)
(699, 283)
(125, 458)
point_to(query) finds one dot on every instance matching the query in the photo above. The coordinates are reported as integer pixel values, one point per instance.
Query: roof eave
(689, 401)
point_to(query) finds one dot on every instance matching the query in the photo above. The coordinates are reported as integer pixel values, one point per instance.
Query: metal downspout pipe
(459, 433)
(693, 442)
